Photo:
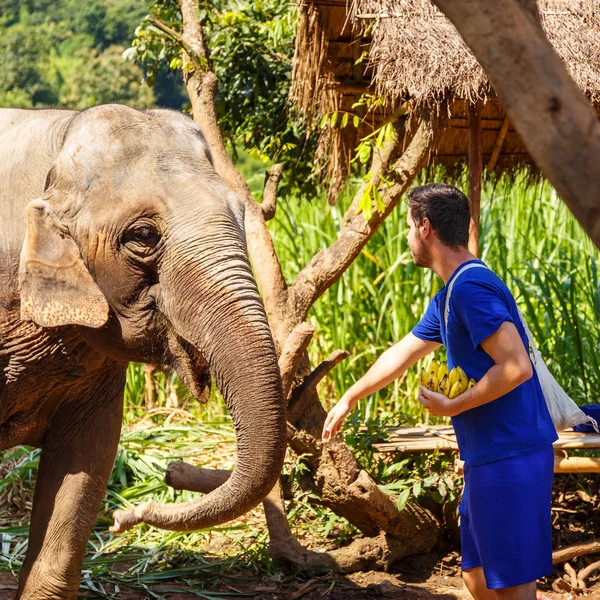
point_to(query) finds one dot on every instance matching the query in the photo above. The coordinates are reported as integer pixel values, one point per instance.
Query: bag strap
(462, 270)
(534, 353)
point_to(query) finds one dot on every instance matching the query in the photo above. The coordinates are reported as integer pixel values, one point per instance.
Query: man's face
(417, 246)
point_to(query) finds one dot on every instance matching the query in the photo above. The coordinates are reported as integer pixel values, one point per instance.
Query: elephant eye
(141, 239)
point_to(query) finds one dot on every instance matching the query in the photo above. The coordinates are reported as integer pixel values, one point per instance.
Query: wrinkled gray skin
(118, 242)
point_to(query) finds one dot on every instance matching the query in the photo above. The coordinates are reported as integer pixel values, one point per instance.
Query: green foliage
(69, 53)
(24, 65)
(143, 558)
(251, 47)
(103, 77)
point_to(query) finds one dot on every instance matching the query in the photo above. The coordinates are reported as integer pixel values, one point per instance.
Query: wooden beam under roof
(475, 172)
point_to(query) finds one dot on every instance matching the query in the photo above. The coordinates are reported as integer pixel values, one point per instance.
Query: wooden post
(498, 145)
(475, 170)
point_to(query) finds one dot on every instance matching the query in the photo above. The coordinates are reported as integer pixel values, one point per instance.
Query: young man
(502, 424)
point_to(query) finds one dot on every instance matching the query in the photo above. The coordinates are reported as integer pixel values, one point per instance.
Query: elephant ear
(56, 287)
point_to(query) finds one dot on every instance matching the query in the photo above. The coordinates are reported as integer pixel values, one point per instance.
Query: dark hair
(447, 209)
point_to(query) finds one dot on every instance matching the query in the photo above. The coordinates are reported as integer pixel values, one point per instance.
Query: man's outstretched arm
(389, 366)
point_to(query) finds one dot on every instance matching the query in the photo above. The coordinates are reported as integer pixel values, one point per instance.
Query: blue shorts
(505, 521)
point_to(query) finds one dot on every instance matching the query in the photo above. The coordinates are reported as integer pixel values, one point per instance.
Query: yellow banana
(453, 377)
(472, 382)
(443, 370)
(434, 368)
(462, 374)
(454, 391)
(443, 387)
(432, 383)
(423, 377)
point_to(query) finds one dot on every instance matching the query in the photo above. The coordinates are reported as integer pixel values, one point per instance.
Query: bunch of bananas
(450, 384)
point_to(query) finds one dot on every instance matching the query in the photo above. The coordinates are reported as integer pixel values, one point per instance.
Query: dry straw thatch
(412, 53)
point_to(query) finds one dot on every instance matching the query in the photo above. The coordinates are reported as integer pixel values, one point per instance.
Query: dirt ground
(431, 577)
(436, 576)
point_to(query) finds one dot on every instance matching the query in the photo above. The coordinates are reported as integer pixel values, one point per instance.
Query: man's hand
(438, 404)
(335, 418)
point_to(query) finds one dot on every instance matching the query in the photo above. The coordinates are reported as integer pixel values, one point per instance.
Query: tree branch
(194, 58)
(363, 554)
(296, 403)
(327, 266)
(293, 350)
(334, 359)
(269, 202)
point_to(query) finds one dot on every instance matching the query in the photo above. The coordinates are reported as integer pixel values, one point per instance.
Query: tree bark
(378, 552)
(555, 120)
(334, 474)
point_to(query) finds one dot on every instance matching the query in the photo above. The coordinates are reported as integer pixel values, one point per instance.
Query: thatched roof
(411, 52)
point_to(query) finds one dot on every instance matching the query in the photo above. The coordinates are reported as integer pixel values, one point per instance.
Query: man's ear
(56, 287)
(425, 227)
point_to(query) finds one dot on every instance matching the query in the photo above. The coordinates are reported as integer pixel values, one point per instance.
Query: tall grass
(528, 237)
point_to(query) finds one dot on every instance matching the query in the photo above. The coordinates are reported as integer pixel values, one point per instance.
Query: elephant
(119, 242)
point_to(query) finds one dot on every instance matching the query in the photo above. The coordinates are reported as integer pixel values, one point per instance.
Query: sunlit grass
(219, 561)
(528, 237)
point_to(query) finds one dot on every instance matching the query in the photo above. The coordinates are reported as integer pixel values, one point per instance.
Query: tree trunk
(555, 121)
(334, 476)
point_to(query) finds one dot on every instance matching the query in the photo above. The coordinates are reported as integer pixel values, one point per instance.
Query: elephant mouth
(190, 365)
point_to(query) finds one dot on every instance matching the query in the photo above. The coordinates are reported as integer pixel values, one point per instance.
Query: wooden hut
(409, 56)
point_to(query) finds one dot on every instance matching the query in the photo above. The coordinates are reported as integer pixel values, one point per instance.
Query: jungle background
(76, 54)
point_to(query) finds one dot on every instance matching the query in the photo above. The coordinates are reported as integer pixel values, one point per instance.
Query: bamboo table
(426, 438)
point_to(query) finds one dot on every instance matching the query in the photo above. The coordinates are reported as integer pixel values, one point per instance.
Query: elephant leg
(77, 457)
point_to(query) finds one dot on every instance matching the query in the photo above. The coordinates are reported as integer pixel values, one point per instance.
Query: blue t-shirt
(514, 424)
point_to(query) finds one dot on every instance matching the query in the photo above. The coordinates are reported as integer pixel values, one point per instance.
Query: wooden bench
(423, 438)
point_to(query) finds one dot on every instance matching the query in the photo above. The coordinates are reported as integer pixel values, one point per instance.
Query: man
(502, 424)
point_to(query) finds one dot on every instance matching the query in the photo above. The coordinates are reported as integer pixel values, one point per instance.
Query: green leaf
(385, 180)
(430, 480)
(334, 118)
(388, 135)
(395, 468)
(364, 153)
(365, 205)
(356, 121)
(416, 489)
(402, 498)
(380, 137)
(378, 200)
(362, 57)
(442, 489)
(344, 121)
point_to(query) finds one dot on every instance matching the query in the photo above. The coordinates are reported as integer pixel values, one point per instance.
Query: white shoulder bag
(564, 411)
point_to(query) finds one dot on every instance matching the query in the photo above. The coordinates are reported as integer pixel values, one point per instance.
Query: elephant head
(139, 243)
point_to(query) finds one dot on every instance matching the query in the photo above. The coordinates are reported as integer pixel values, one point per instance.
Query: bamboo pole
(571, 464)
(475, 171)
(576, 464)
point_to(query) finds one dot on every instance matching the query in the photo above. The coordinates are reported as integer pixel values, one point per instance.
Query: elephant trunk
(215, 307)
